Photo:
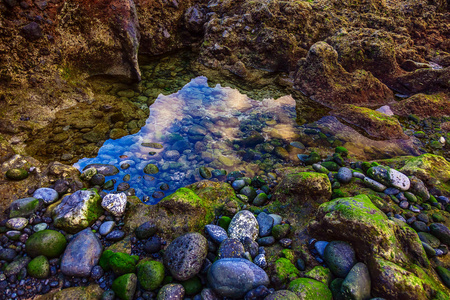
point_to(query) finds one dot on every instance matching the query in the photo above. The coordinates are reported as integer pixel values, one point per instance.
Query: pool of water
(200, 126)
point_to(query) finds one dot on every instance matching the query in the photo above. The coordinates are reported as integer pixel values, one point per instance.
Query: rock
(90, 292)
(172, 155)
(115, 203)
(39, 267)
(216, 233)
(424, 168)
(120, 263)
(32, 31)
(238, 184)
(357, 283)
(374, 185)
(208, 294)
(419, 226)
(390, 177)
(7, 254)
(320, 247)
(16, 266)
(260, 261)
(260, 199)
(106, 227)
(13, 235)
(331, 166)
(184, 256)
(306, 288)
(17, 223)
(47, 195)
(88, 173)
(303, 187)
(266, 241)
(16, 174)
(321, 77)
(125, 286)
(444, 274)
(104, 169)
(282, 294)
(49, 243)
(145, 230)
(321, 169)
(241, 277)
(150, 274)
(243, 224)
(441, 232)
(344, 175)
(153, 245)
(192, 286)
(340, 258)
(230, 248)
(81, 255)
(429, 250)
(77, 211)
(249, 192)
(310, 159)
(276, 219)
(123, 186)
(151, 169)
(205, 172)
(280, 231)
(265, 223)
(429, 239)
(98, 179)
(419, 188)
(23, 207)
(173, 291)
(391, 191)
(115, 235)
(376, 235)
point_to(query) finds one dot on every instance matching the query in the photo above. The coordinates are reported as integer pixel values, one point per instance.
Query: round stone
(40, 227)
(125, 286)
(150, 274)
(17, 223)
(145, 230)
(172, 291)
(216, 233)
(260, 199)
(115, 235)
(123, 186)
(39, 267)
(153, 245)
(248, 191)
(260, 261)
(106, 227)
(238, 184)
(16, 174)
(265, 223)
(172, 155)
(241, 277)
(49, 243)
(231, 248)
(47, 195)
(340, 258)
(151, 169)
(243, 224)
(344, 175)
(185, 255)
(282, 294)
(205, 172)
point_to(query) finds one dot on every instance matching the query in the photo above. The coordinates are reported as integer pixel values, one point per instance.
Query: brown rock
(423, 106)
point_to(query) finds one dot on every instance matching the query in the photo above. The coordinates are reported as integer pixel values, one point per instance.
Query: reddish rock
(322, 78)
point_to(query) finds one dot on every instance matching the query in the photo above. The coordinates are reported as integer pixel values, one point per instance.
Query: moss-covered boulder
(423, 106)
(120, 263)
(125, 286)
(150, 274)
(39, 267)
(78, 211)
(321, 274)
(49, 243)
(90, 292)
(306, 289)
(284, 271)
(372, 232)
(187, 210)
(375, 123)
(23, 207)
(303, 187)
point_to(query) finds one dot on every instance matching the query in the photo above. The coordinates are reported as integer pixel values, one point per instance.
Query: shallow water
(216, 127)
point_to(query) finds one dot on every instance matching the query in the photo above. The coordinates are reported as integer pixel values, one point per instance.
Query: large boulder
(321, 77)
(423, 106)
(81, 255)
(78, 211)
(187, 210)
(372, 232)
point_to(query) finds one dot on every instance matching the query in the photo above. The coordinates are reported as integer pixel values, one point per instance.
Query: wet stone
(145, 230)
(231, 248)
(123, 186)
(266, 241)
(115, 235)
(265, 223)
(243, 224)
(153, 245)
(158, 194)
(115, 203)
(107, 227)
(17, 223)
(104, 169)
(47, 195)
(216, 233)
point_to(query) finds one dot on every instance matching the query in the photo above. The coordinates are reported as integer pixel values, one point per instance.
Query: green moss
(288, 254)
(39, 267)
(122, 263)
(306, 288)
(125, 286)
(285, 271)
(150, 274)
(49, 243)
(192, 286)
(321, 274)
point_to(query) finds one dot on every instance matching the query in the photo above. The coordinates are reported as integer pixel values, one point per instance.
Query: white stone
(442, 140)
(17, 223)
(399, 180)
(243, 224)
(47, 195)
(385, 110)
(115, 203)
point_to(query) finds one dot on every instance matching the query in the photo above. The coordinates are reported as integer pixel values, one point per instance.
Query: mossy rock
(306, 289)
(24, 207)
(282, 295)
(321, 274)
(49, 243)
(224, 222)
(125, 286)
(330, 166)
(120, 263)
(16, 174)
(288, 254)
(150, 274)
(285, 271)
(91, 292)
(342, 151)
(151, 169)
(192, 286)
(39, 267)
(280, 231)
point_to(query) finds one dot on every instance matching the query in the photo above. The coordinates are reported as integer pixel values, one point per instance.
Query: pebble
(285, 243)
(17, 223)
(145, 230)
(375, 185)
(320, 247)
(276, 219)
(243, 224)
(359, 175)
(216, 233)
(97, 272)
(238, 184)
(404, 204)
(340, 258)
(391, 191)
(265, 223)
(266, 241)
(153, 245)
(115, 235)
(47, 195)
(106, 227)
(344, 175)
(40, 227)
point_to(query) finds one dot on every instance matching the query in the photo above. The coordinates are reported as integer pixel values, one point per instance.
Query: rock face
(108, 27)
(322, 78)
(81, 255)
(234, 277)
(77, 211)
(184, 256)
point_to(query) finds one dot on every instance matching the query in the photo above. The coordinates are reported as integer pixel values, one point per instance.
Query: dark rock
(231, 248)
(115, 235)
(104, 169)
(265, 223)
(419, 226)
(357, 284)
(216, 233)
(344, 175)
(340, 257)
(153, 245)
(145, 230)
(441, 232)
(171, 291)
(266, 241)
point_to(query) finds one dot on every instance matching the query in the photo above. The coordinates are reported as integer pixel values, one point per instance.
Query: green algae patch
(285, 271)
(120, 263)
(306, 288)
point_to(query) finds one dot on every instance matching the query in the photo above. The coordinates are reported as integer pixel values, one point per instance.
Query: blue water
(205, 125)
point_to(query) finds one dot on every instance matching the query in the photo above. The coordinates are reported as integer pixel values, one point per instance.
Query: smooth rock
(150, 274)
(145, 230)
(375, 185)
(216, 233)
(234, 277)
(231, 248)
(125, 286)
(276, 219)
(17, 223)
(47, 195)
(81, 255)
(49, 243)
(172, 291)
(260, 261)
(104, 169)
(340, 258)
(357, 284)
(265, 223)
(320, 247)
(16, 174)
(23, 207)
(441, 232)
(344, 175)
(106, 227)
(16, 266)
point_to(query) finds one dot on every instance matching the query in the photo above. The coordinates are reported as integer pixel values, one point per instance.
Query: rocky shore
(355, 204)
